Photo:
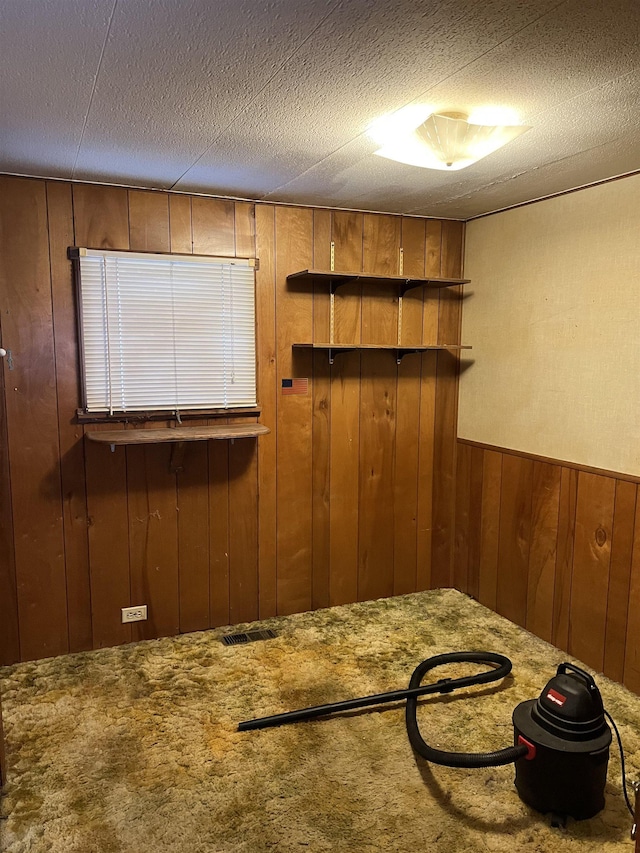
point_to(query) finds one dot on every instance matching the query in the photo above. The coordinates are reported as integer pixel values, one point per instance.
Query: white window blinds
(166, 331)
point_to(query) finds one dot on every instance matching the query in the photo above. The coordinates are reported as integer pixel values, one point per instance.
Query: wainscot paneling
(350, 496)
(555, 548)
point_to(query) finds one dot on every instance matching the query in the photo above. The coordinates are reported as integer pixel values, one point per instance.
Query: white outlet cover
(137, 613)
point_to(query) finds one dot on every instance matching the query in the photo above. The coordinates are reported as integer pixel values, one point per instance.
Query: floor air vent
(249, 637)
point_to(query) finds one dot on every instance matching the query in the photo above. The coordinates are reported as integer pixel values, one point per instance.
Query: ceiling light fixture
(448, 141)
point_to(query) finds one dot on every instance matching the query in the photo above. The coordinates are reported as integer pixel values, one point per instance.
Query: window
(165, 332)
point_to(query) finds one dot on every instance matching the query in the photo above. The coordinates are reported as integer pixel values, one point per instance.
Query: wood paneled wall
(350, 497)
(556, 549)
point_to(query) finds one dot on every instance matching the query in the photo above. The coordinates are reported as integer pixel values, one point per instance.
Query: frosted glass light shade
(448, 142)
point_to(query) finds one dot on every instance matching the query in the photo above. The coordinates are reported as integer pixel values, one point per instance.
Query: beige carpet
(136, 748)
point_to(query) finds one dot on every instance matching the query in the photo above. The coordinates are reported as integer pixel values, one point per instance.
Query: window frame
(83, 415)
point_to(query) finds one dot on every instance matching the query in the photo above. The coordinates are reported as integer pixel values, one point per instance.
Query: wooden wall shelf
(337, 279)
(400, 351)
(178, 434)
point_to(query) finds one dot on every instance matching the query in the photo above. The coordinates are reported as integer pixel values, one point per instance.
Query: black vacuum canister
(565, 770)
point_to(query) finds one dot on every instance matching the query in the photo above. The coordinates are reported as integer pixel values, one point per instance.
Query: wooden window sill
(164, 415)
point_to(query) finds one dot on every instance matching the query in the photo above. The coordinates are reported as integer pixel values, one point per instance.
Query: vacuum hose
(500, 667)
(459, 759)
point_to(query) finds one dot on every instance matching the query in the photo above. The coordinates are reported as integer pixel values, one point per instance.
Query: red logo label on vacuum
(558, 698)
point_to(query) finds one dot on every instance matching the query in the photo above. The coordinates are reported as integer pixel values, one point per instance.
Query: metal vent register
(249, 637)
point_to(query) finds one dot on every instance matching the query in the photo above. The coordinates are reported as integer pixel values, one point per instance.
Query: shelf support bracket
(402, 351)
(334, 351)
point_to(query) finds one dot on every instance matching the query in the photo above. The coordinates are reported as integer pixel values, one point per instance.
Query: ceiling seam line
(93, 89)
(489, 50)
(582, 93)
(259, 92)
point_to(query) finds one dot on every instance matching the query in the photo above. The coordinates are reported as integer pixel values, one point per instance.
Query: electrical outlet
(134, 614)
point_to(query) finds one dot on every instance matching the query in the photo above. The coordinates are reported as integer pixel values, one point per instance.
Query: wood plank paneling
(515, 538)
(619, 579)
(446, 413)
(381, 254)
(32, 419)
(106, 474)
(192, 483)
(245, 229)
(463, 498)
(428, 389)
(344, 478)
(375, 495)
(347, 235)
(405, 491)
(475, 522)
(321, 471)
(559, 545)
(335, 503)
(153, 539)
(267, 396)
(243, 531)
(10, 634)
(321, 261)
(490, 528)
(545, 504)
(632, 645)
(444, 470)
(344, 445)
(468, 521)
(591, 557)
(148, 221)
(294, 251)
(381, 246)
(219, 543)
(564, 557)
(181, 240)
(426, 450)
(413, 239)
(213, 226)
(71, 434)
(378, 389)
(321, 486)
(433, 266)
(101, 218)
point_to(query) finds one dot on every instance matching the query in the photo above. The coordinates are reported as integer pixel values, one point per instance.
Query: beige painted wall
(553, 315)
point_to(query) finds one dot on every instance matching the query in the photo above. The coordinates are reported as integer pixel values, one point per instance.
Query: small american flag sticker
(294, 386)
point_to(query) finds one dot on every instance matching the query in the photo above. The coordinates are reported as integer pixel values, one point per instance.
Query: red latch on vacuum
(531, 754)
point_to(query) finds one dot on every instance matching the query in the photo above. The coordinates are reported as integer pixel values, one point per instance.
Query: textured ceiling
(270, 99)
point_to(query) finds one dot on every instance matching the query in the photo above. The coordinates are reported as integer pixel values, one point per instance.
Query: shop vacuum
(561, 739)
